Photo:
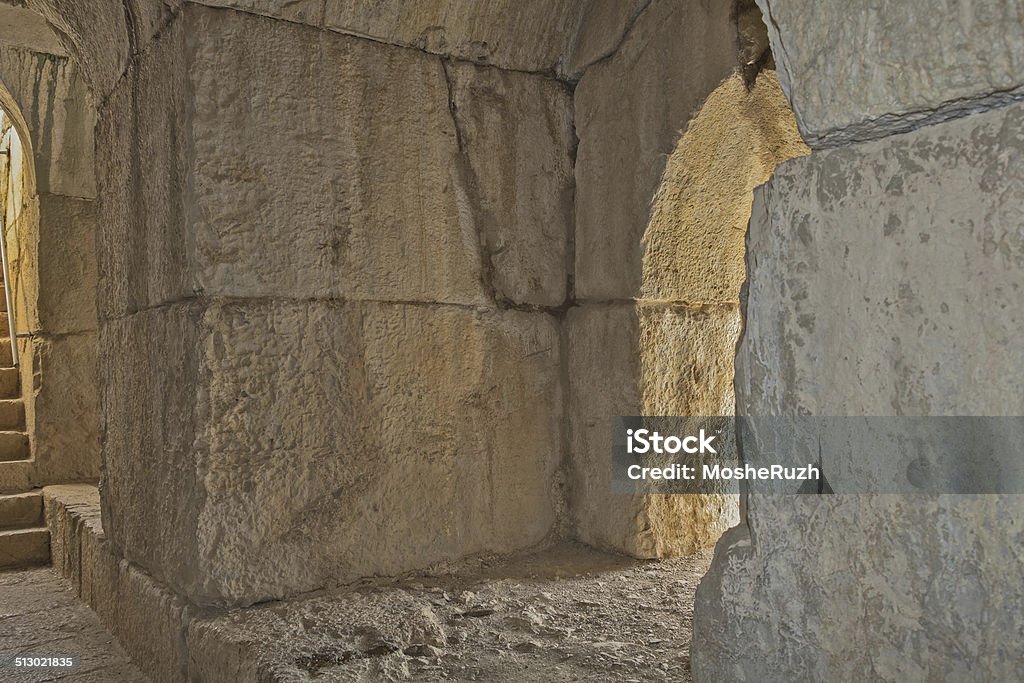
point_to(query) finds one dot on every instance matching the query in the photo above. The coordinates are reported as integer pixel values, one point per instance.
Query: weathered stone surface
(43, 614)
(65, 408)
(601, 32)
(151, 405)
(292, 639)
(94, 34)
(517, 178)
(629, 112)
(379, 452)
(23, 28)
(364, 205)
(527, 35)
(299, 11)
(885, 280)
(694, 240)
(145, 249)
(291, 432)
(52, 108)
(839, 64)
(644, 360)
(67, 265)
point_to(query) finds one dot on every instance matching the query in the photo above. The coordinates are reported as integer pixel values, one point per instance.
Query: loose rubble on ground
(564, 614)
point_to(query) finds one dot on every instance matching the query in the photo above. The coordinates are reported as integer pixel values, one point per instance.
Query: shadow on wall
(688, 314)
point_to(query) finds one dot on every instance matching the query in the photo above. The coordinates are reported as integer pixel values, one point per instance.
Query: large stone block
(645, 360)
(148, 620)
(884, 280)
(65, 410)
(145, 249)
(864, 69)
(152, 408)
(630, 110)
(294, 431)
(67, 265)
(517, 139)
(363, 203)
(602, 29)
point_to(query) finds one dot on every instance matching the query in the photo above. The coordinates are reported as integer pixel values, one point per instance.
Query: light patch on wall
(693, 268)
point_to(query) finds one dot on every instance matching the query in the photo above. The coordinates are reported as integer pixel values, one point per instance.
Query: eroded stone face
(884, 280)
(515, 178)
(836, 62)
(630, 110)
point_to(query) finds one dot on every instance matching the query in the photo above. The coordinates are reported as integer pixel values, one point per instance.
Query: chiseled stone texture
(374, 200)
(66, 262)
(333, 153)
(645, 360)
(884, 279)
(102, 36)
(525, 35)
(65, 408)
(630, 110)
(867, 68)
(313, 427)
(145, 247)
(517, 138)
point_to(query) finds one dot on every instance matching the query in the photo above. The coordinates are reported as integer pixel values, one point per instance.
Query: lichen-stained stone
(885, 279)
(863, 69)
(516, 175)
(308, 443)
(524, 35)
(630, 110)
(645, 360)
(323, 165)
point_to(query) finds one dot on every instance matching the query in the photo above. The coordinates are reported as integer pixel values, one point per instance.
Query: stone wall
(331, 314)
(51, 227)
(884, 277)
(364, 274)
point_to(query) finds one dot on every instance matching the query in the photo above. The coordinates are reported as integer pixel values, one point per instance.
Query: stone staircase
(24, 539)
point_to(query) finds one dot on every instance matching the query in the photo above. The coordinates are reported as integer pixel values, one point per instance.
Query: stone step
(24, 547)
(13, 446)
(9, 383)
(12, 415)
(6, 353)
(21, 510)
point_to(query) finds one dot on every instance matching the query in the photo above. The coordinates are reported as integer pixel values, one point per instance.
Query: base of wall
(505, 616)
(148, 620)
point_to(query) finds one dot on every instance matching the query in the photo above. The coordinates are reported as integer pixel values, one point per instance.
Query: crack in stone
(626, 31)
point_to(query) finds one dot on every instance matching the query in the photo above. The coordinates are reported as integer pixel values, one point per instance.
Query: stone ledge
(148, 620)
